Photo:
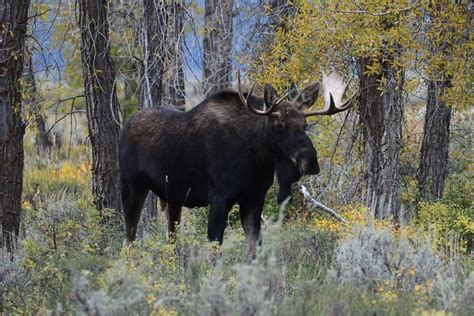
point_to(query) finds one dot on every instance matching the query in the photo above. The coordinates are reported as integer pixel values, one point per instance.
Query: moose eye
(279, 127)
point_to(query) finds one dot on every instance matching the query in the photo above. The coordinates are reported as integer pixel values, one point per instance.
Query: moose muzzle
(307, 163)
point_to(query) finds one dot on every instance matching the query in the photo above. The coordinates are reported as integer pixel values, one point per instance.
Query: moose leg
(286, 175)
(284, 193)
(173, 216)
(218, 214)
(132, 200)
(250, 216)
(163, 205)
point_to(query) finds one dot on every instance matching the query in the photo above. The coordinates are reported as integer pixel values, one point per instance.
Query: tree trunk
(14, 17)
(42, 139)
(433, 168)
(381, 115)
(173, 94)
(101, 102)
(217, 54)
(163, 77)
(435, 144)
(155, 19)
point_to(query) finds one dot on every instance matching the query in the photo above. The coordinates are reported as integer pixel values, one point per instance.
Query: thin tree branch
(321, 205)
(374, 13)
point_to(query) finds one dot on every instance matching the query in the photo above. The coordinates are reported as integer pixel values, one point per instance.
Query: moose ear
(308, 96)
(269, 95)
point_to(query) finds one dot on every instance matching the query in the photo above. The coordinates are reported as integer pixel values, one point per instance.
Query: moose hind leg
(133, 198)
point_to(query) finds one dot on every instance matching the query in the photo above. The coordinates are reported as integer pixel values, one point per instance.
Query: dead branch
(59, 101)
(321, 205)
(63, 117)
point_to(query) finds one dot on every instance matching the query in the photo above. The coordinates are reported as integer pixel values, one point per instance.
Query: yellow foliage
(52, 179)
(337, 33)
(357, 215)
(162, 311)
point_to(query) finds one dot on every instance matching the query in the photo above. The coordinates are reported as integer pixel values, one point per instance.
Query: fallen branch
(320, 205)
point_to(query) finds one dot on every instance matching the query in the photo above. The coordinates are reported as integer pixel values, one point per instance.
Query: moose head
(295, 153)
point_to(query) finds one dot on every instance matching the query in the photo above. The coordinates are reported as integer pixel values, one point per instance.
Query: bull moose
(224, 151)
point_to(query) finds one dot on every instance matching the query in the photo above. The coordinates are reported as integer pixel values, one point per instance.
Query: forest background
(398, 166)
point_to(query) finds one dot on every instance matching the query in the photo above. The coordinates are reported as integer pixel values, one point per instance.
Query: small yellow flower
(26, 205)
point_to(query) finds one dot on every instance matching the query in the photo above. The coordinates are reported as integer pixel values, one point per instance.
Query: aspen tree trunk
(381, 115)
(101, 101)
(217, 54)
(14, 17)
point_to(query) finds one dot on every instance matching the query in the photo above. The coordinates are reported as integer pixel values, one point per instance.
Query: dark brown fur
(219, 153)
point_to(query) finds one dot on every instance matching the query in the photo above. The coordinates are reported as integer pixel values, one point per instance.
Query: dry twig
(321, 205)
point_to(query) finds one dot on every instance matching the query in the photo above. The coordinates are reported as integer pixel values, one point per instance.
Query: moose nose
(308, 164)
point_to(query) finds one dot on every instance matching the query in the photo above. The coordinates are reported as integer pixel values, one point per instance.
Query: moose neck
(256, 132)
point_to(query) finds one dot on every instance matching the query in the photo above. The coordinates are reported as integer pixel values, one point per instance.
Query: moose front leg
(287, 174)
(250, 216)
(218, 214)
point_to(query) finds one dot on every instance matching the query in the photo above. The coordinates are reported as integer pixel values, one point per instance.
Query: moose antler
(334, 89)
(250, 107)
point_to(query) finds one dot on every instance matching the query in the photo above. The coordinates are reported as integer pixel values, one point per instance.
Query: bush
(63, 238)
(376, 258)
(194, 277)
(452, 288)
(466, 300)
(14, 281)
(450, 222)
(308, 263)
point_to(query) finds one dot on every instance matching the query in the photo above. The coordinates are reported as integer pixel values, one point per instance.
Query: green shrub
(450, 222)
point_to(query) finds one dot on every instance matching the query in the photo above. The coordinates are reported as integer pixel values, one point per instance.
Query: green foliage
(450, 221)
(64, 238)
(377, 258)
